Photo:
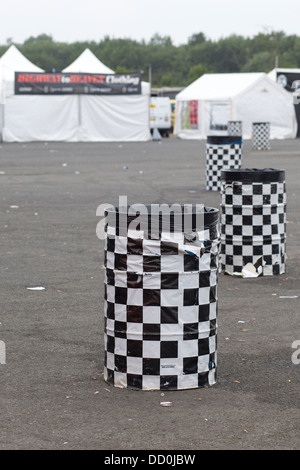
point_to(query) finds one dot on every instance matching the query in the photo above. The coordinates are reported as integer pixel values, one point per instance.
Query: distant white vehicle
(160, 115)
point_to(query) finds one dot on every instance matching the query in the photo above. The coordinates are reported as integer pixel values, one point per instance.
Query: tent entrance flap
(220, 112)
(189, 115)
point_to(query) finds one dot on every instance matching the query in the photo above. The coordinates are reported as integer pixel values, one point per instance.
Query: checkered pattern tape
(221, 157)
(161, 310)
(234, 128)
(261, 136)
(253, 218)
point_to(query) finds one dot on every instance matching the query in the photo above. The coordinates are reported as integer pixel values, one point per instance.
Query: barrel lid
(223, 139)
(261, 122)
(253, 175)
(202, 217)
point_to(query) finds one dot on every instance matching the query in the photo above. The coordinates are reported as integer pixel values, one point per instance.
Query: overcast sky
(91, 20)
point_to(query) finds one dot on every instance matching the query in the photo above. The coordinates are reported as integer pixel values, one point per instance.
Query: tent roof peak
(89, 63)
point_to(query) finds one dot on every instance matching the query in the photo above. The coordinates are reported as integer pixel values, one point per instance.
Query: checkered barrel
(160, 303)
(261, 135)
(235, 128)
(222, 152)
(253, 222)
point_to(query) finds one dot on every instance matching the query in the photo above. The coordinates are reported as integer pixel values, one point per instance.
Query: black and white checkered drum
(235, 128)
(253, 222)
(261, 135)
(222, 153)
(161, 304)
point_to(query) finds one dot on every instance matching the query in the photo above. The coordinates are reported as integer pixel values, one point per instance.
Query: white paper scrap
(36, 288)
(250, 271)
(288, 296)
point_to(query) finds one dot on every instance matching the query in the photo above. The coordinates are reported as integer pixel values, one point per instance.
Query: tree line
(170, 65)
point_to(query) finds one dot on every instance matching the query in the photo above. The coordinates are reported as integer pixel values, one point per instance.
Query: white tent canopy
(87, 62)
(70, 118)
(32, 118)
(205, 107)
(110, 118)
(11, 61)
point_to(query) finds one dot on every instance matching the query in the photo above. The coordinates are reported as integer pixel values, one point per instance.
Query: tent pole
(79, 110)
(149, 79)
(3, 93)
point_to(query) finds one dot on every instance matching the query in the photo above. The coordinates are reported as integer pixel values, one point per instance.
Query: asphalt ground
(53, 394)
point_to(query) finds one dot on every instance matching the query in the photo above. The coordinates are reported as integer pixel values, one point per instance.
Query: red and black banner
(77, 84)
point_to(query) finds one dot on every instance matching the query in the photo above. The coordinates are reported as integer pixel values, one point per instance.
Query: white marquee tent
(65, 117)
(11, 61)
(110, 118)
(33, 118)
(205, 107)
(87, 62)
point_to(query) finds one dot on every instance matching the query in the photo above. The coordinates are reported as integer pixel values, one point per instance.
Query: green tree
(158, 40)
(42, 51)
(196, 71)
(260, 62)
(170, 65)
(198, 38)
(159, 54)
(121, 69)
(167, 80)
